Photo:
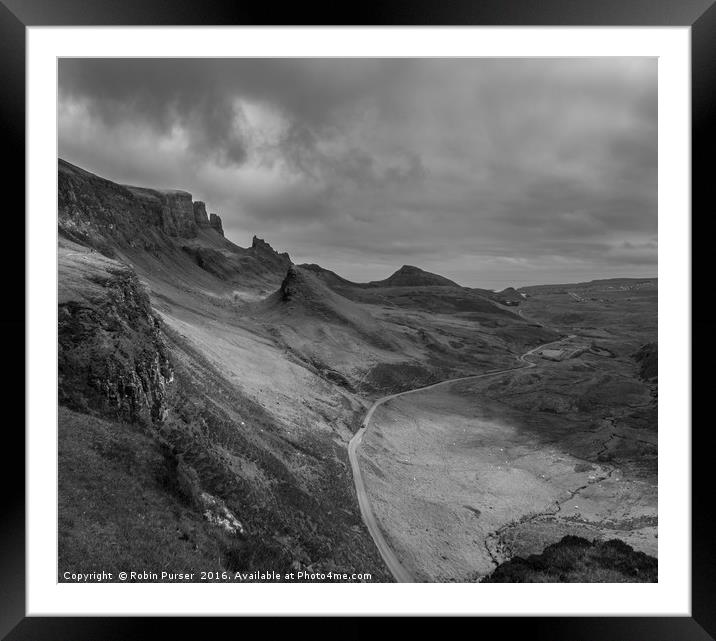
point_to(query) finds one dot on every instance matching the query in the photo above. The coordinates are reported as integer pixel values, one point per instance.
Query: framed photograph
(375, 314)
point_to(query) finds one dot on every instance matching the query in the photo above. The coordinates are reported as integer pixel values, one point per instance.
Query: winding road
(400, 574)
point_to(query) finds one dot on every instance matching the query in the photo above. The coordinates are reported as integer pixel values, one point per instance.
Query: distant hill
(509, 296)
(382, 338)
(406, 276)
(409, 276)
(604, 284)
(414, 288)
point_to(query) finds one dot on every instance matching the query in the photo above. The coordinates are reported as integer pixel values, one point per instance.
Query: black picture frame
(16, 15)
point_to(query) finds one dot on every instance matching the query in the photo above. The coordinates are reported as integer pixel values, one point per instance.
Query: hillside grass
(122, 505)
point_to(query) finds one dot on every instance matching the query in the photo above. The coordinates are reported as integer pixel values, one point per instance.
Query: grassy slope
(393, 338)
(121, 506)
(294, 499)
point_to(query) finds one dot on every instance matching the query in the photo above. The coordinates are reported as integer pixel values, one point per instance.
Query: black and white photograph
(357, 320)
(354, 312)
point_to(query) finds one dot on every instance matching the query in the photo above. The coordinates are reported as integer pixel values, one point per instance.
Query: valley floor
(448, 478)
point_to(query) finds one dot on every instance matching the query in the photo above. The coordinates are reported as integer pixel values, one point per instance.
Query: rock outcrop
(574, 559)
(648, 358)
(200, 216)
(112, 357)
(303, 295)
(215, 223)
(177, 213)
(292, 284)
(260, 245)
(268, 255)
(204, 220)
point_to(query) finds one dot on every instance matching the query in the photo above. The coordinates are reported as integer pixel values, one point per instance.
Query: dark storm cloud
(485, 170)
(201, 93)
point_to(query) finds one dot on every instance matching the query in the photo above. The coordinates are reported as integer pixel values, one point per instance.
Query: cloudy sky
(491, 172)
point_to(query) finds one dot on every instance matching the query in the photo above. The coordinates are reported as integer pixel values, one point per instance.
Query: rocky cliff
(200, 216)
(215, 223)
(267, 254)
(112, 357)
(160, 231)
(202, 219)
(97, 212)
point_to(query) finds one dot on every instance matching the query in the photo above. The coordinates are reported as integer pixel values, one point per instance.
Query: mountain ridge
(112, 217)
(160, 232)
(405, 276)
